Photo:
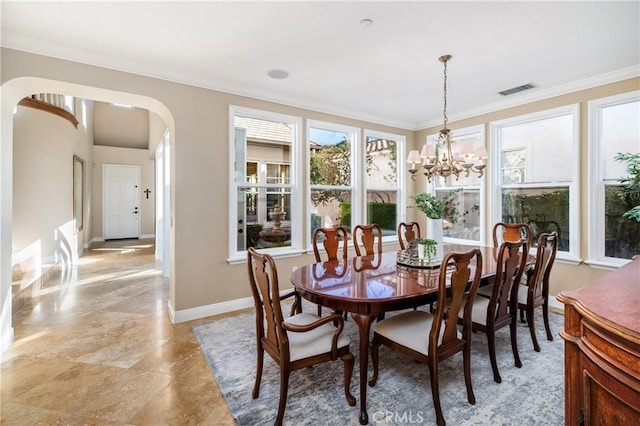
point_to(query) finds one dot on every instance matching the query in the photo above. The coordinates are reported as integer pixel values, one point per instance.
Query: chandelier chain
(444, 113)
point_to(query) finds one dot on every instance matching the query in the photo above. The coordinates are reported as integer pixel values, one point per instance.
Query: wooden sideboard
(602, 349)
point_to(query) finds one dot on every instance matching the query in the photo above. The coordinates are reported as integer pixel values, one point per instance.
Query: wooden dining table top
(377, 283)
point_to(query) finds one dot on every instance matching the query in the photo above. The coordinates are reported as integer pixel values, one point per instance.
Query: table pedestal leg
(364, 325)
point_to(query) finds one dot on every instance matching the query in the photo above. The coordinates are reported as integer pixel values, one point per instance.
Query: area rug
(531, 395)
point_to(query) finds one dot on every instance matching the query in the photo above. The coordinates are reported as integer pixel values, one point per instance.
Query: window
(537, 183)
(351, 182)
(614, 127)
(331, 167)
(263, 157)
(464, 211)
(381, 181)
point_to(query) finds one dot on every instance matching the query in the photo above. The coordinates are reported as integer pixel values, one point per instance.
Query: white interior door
(120, 201)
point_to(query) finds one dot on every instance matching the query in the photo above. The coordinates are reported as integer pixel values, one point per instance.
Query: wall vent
(517, 89)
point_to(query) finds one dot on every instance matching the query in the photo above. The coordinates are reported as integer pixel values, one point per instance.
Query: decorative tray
(409, 258)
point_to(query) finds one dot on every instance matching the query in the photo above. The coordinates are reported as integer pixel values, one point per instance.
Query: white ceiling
(387, 72)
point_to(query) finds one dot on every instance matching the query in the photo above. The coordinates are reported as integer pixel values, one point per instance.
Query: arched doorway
(12, 92)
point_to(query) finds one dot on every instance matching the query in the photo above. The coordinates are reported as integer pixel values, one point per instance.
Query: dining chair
(369, 237)
(299, 341)
(430, 338)
(535, 292)
(508, 232)
(489, 315)
(511, 232)
(332, 239)
(407, 232)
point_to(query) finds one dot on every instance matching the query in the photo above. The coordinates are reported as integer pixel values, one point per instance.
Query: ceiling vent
(517, 89)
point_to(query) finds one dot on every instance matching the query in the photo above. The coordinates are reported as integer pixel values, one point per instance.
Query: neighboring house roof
(265, 131)
(377, 145)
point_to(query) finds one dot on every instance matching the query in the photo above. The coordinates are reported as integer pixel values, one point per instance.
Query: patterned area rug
(531, 395)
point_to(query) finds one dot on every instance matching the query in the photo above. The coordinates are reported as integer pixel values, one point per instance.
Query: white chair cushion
(410, 329)
(478, 311)
(485, 291)
(313, 342)
(523, 291)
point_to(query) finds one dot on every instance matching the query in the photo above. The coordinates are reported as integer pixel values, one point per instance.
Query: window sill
(276, 254)
(609, 264)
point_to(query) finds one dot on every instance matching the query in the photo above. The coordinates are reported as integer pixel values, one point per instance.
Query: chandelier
(441, 160)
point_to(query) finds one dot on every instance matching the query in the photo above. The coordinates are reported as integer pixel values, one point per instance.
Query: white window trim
(572, 256)
(431, 187)
(596, 256)
(295, 249)
(401, 175)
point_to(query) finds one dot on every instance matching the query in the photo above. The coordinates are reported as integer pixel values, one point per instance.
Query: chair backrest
(510, 265)
(331, 240)
(407, 231)
(454, 279)
(263, 280)
(365, 236)
(538, 282)
(511, 232)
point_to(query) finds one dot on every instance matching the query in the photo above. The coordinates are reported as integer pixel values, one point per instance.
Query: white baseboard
(147, 236)
(209, 310)
(213, 309)
(6, 330)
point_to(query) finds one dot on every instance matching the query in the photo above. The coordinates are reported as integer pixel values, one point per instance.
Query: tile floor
(95, 346)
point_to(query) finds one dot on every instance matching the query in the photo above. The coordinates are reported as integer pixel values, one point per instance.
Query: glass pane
(330, 158)
(622, 236)
(513, 166)
(267, 218)
(259, 145)
(330, 208)
(382, 209)
(543, 209)
(281, 199)
(620, 133)
(278, 173)
(252, 172)
(462, 214)
(381, 163)
(548, 144)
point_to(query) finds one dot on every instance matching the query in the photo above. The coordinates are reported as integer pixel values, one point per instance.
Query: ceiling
(386, 72)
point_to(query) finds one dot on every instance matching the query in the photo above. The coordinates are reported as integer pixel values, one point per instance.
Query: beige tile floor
(95, 346)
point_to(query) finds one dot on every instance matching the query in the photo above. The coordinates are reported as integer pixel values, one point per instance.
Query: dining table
(368, 286)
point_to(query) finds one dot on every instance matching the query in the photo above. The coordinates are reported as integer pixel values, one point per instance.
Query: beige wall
(43, 184)
(44, 146)
(131, 157)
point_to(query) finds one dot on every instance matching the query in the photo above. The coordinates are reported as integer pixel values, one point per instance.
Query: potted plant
(429, 204)
(434, 208)
(427, 249)
(630, 192)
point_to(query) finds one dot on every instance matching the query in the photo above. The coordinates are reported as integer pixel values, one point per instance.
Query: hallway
(95, 345)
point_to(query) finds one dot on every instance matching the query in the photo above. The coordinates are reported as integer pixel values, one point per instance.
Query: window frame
(573, 110)
(296, 220)
(597, 182)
